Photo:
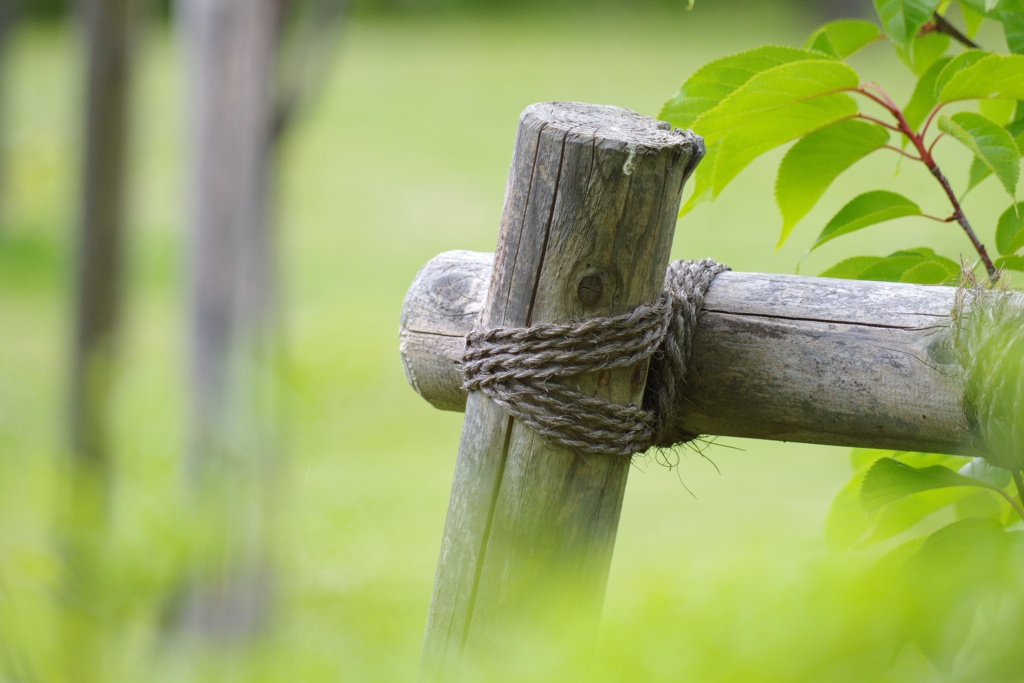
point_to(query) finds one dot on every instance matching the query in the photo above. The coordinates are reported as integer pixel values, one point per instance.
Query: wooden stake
(589, 215)
(110, 29)
(230, 48)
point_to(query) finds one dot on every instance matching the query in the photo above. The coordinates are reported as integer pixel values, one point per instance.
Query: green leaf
(926, 50)
(971, 556)
(1010, 263)
(989, 142)
(977, 6)
(919, 266)
(851, 268)
(972, 20)
(968, 566)
(1010, 230)
(1011, 14)
(922, 101)
(906, 513)
(918, 459)
(772, 108)
(979, 171)
(996, 76)
(849, 524)
(955, 65)
(861, 459)
(864, 210)
(889, 480)
(1000, 111)
(1013, 29)
(897, 266)
(716, 80)
(980, 505)
(930, 273)
(842, 38)
(979, 468)
(902, 19)
(846, 522)
(815, 161)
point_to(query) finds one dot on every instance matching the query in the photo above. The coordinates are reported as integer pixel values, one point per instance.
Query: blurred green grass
(720, 569)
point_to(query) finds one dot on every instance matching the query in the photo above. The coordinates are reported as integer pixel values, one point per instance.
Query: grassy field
(721, 571)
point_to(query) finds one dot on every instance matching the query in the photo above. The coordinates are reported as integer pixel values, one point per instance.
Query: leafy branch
(925, 156)
(747, 104)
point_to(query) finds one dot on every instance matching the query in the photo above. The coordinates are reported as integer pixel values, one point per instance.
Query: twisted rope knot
(990, 350)
(526, 370)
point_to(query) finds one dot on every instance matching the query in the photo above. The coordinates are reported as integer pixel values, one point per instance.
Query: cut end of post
(614, 126)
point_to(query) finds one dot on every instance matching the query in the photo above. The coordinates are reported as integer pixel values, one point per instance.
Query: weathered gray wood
(10, 11)
(443, 304)
(589, 214)
(781, 357)
(109, 27)
(230, 46)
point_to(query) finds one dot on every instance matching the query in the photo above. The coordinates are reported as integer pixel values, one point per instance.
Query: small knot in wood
(529, 371)
(590, 290)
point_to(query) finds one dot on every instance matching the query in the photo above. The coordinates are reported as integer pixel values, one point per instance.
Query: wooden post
(230, 51)
(590, 210)
(109, 30)
(781, 357)
(109, 27)
(9, 15)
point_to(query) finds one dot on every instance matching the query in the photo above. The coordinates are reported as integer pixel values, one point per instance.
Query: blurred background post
(9, 11)
(238, 109)
(109, 33)
(233, 446)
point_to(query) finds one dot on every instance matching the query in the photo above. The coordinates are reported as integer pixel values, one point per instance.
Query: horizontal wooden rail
(815, 360)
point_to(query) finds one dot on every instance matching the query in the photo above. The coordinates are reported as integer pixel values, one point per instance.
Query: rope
(527, 371)
(987, 328)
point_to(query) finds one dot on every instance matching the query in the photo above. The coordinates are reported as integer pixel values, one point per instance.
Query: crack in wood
(824, 321)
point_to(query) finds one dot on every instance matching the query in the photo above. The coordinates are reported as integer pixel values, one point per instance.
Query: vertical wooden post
(590, 210)
(231, 47)
(9, 13)
(109, 29)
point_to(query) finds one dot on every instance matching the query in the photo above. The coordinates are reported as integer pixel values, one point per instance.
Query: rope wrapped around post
(525, 369)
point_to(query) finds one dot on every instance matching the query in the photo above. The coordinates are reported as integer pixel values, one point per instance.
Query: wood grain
(589, 214)
(781, 357)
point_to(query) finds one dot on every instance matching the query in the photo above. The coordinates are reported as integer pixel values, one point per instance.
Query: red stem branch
(947, 219)
(900, 151)
(931, 117)
(959, 217)
(880, 122)
(926, 158)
